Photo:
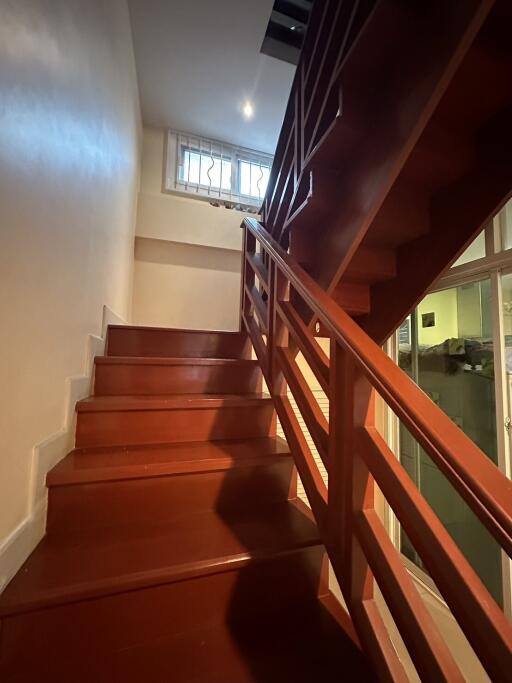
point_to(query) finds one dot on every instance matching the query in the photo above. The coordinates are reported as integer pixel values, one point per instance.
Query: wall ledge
(22, 540)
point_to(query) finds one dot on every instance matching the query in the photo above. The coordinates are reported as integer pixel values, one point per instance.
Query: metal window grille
(216, 171)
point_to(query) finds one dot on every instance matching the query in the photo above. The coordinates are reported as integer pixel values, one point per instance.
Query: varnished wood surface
(89, 465)
(250, 483)
(160, 558)
(103, 559)
(475, 476)
(116, 375)
(127, 340)
(105, 404)
(384, 174)
(147, 419)
(357, 544)
(303, 643)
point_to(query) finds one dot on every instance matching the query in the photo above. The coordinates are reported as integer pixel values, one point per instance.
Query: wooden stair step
(303, 644)
(144, 375)
(128, 340)
(113, 463)
(116, 558)
(102, 404)
(205, 477)
(140, 419)
(353, 297)
(370, 265)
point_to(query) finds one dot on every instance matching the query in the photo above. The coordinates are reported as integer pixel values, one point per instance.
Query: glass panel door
(447, 348)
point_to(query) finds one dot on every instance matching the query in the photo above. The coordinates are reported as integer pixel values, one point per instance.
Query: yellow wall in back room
(444, 306)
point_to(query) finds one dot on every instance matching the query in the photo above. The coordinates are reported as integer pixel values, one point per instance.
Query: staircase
(176, 548)
(395, 150)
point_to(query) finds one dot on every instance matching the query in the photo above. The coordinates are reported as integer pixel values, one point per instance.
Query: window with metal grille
(213, 170)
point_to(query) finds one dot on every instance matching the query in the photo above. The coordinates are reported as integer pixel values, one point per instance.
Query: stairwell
(177, 548)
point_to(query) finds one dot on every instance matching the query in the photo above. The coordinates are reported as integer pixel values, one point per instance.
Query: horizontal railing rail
(356, 456)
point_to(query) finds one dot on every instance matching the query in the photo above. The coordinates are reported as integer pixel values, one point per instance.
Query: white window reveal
(217, 171)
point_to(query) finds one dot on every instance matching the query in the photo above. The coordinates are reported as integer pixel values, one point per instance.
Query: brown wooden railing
(357, 457)
(313, 107)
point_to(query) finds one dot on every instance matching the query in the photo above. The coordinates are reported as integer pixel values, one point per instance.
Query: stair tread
(168, 401)
(302, 644)
(87, 465)
(111, 559)
(179, 360)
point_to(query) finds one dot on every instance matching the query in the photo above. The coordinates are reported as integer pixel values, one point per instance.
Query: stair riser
(127, 427)
(160, 499)
(176, 379)
(90, 631)
(128, 341)
(353, 298)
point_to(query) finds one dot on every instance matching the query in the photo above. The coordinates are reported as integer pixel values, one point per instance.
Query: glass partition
(446, 346)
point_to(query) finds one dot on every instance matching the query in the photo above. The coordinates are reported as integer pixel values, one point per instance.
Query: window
(505, 223)
(457, 346)
(476, 250)
(205, 170)
(209, 169)
(451, 356)
(253, 179)
(493, 241)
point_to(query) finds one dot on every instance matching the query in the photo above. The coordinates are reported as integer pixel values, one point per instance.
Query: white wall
(187, 256)
(186, 286)
(69, 166)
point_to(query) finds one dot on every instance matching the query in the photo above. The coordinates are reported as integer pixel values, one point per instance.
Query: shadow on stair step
(288, 634)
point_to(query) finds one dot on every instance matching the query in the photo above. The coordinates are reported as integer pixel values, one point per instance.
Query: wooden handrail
(355, 454)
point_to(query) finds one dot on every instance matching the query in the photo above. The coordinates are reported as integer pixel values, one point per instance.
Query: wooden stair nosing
(179, 361)
(96, 548)
(169, 402)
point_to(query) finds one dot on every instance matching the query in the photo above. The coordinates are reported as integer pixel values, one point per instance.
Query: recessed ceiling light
(248, 110)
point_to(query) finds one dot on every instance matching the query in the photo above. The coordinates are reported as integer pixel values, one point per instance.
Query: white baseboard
(18, 545)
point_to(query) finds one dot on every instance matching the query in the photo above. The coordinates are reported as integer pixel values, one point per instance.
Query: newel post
(351, 408)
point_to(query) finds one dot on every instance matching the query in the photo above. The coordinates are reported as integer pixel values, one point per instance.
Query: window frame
(178, 144)
(181, 181)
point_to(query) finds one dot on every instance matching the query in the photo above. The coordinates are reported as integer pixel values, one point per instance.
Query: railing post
(243, 266)
(361, 578)
(278, 291)
(248, 246)
(351, 406)
(271, 318)
(340, 461)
